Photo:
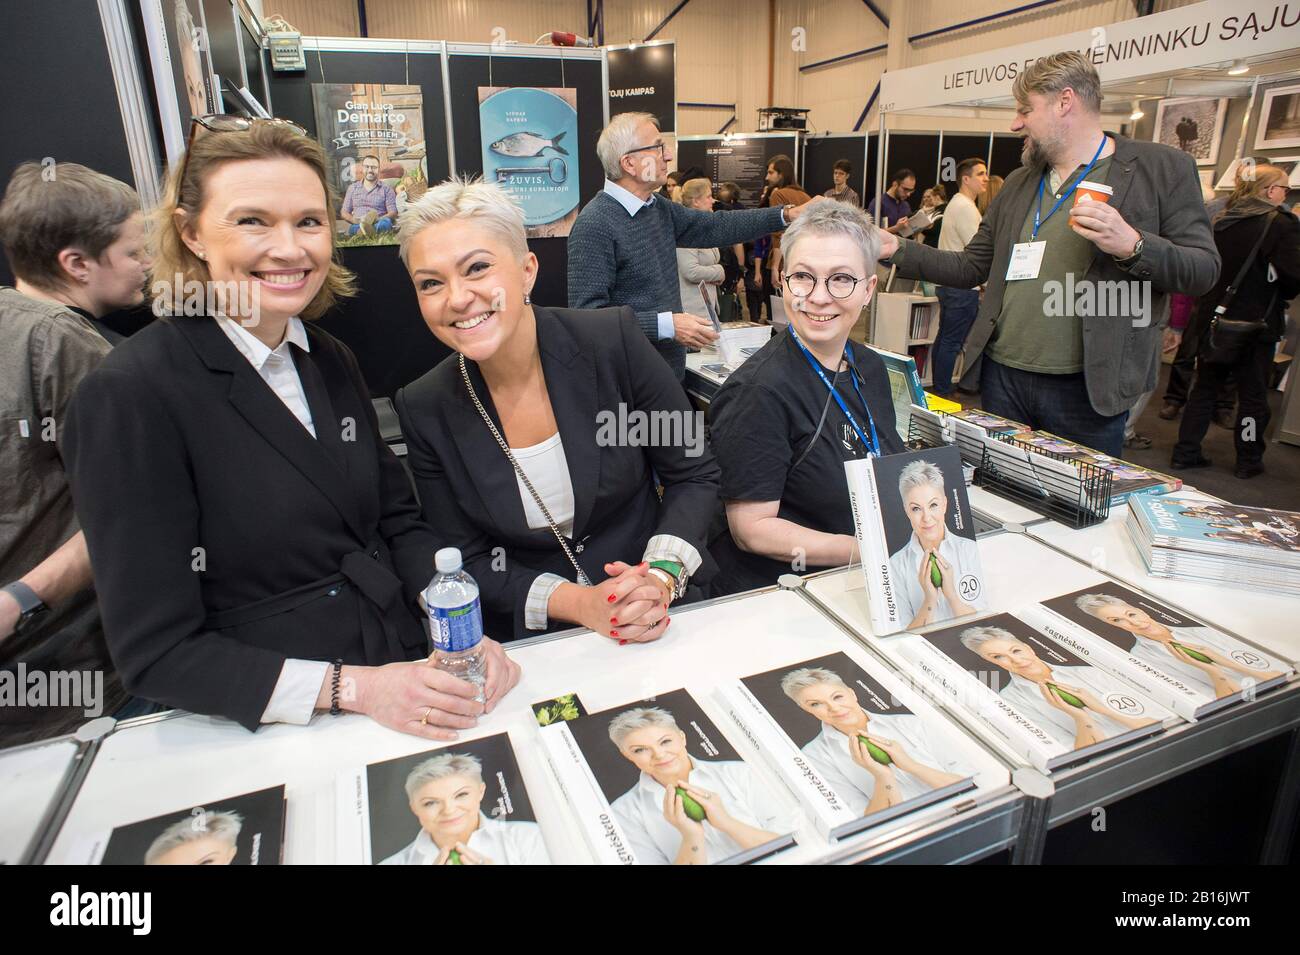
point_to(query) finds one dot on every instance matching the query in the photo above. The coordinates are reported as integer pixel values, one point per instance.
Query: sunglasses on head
(225, 123)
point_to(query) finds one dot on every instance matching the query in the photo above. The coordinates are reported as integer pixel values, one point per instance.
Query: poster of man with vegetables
(373, 134)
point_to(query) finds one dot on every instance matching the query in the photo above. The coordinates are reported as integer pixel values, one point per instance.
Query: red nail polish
(611, 598)
(614, 621)
(622, 643)
(613, 633)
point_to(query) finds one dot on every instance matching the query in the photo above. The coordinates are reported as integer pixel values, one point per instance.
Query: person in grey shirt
(1076, 296)
(75, 241)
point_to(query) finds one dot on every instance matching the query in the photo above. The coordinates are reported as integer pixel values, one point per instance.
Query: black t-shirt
(762, 422)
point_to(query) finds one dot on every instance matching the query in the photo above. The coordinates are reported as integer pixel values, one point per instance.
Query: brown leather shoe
(1169, 411)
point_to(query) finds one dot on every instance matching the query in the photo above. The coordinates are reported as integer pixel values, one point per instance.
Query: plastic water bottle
(455, 620)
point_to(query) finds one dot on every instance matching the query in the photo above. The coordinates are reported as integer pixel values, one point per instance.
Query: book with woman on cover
(462, 804)
(654, 782)
(1175, 659)
(916, 535)
(247, 829)
(854, 744)
(1045, 702)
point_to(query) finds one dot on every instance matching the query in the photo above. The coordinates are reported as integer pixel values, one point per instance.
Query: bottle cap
(447, 560)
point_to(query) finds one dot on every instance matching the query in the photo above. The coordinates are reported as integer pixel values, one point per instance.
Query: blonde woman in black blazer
(558, 392)
(257, 549)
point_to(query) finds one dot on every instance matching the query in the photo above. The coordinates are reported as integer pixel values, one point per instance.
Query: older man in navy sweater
(623, 247)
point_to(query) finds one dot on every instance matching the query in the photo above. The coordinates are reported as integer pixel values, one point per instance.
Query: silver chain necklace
(546, 512)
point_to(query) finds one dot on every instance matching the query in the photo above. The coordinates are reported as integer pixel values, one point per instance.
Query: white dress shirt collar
(254, 349)
(627, 199)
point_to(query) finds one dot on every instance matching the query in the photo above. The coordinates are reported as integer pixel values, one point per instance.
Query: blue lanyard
(872, 444)
(1042, 181)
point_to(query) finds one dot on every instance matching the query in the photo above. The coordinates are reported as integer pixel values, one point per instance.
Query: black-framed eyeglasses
(839, 284)
(226, 123)
(661, 146)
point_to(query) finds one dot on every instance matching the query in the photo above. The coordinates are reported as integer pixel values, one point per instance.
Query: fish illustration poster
(373, 134)
(530, 148)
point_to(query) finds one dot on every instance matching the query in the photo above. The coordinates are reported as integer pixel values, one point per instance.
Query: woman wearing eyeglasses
(257, 549)
(786, 421)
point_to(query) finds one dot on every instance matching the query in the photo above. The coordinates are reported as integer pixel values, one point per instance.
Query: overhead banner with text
(643, 79)
(1209, 32)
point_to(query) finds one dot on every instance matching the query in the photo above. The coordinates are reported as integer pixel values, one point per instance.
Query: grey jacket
(693, 267)
(1158, 193)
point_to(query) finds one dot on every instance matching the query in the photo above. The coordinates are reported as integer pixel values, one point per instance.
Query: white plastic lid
(447, 560)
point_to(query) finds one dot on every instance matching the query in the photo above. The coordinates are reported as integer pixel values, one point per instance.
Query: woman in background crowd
(699, 265)
(986, 198)
(1253, 217)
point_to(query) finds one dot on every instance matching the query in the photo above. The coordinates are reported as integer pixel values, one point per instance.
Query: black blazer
(223, 537)
(593, 360)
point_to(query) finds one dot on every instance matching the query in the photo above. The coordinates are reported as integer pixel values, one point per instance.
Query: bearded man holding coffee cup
(1077, 281)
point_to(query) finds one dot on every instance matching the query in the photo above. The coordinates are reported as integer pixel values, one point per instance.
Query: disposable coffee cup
(1091, 192)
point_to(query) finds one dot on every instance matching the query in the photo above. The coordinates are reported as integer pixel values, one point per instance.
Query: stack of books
(1127, 478)
(1194, 539)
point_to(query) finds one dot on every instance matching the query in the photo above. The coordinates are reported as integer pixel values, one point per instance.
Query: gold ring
(424, 720)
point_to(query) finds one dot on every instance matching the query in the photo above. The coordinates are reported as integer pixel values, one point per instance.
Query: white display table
(155, 765)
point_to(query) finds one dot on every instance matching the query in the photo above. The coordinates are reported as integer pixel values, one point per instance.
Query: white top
(548, 471)
(961, 220)
(1155, 653)
(962, 555)
(1025, 696)
(276, 365)
(829, 755)
(654, 840)
(502, 843)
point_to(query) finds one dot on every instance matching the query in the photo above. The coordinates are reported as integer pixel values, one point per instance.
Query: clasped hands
(630, 606)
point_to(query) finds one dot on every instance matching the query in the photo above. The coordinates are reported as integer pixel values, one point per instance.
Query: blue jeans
(382, 224)
(957, 310)
(1055, 403)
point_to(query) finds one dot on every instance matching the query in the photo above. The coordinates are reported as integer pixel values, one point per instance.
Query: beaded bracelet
(334, 688)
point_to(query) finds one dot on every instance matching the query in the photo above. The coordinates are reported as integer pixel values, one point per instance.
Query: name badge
(1026, 260)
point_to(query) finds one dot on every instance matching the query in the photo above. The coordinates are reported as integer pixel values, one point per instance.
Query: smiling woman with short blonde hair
(557, 514)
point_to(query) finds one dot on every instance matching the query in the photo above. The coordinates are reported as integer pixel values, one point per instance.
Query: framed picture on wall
(1194, 125)
(1279, 119)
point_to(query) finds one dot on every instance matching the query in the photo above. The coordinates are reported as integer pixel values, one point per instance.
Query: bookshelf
(907, 324)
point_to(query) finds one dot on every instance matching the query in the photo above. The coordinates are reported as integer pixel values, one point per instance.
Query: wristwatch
(671, 573)
(785, 212)
(30, 606)
(1134, 255)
